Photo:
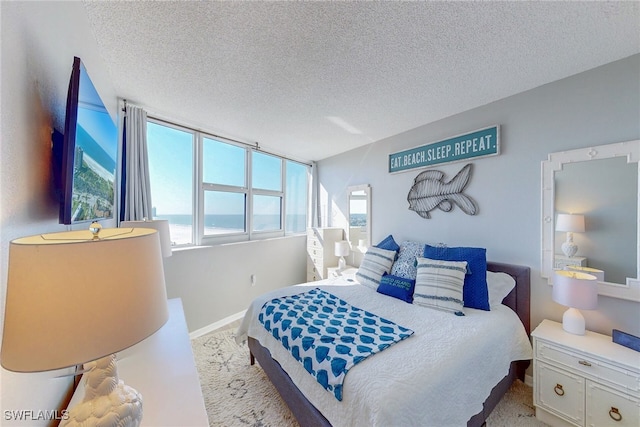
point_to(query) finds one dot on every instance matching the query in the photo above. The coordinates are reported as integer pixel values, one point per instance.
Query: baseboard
(216, 325)
(528, 380)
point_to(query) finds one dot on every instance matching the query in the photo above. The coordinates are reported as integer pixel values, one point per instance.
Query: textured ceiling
(313, 79)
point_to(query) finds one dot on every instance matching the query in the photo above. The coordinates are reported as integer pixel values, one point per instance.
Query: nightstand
(561, 261)
(584, 380)
(349, 270)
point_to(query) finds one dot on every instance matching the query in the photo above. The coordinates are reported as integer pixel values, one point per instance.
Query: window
(266, 181)
(224, 178)
(170, 151)
(214, 191)
(296, 202)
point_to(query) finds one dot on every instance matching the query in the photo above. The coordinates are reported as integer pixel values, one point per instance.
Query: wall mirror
(600, 184)
(359, 231)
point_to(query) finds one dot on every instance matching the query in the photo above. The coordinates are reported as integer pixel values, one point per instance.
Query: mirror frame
(629, 149)
(367, 189)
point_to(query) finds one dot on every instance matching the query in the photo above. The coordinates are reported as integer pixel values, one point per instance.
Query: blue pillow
(397, 287)
(389, 244)
(475, 292)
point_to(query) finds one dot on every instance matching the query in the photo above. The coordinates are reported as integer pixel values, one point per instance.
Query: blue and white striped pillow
(439, 285)
(375, 263)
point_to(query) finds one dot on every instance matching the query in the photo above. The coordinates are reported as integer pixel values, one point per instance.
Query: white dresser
(163, 370)
(320, 251)
(561, 261)
(584, 380)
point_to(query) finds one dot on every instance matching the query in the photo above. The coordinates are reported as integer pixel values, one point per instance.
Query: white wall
(215, 282)
(596, 107)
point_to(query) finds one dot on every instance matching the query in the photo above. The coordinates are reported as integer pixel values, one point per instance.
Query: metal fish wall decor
(429, 191)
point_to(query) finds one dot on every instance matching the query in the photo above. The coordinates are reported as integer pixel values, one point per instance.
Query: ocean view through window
(216, 191)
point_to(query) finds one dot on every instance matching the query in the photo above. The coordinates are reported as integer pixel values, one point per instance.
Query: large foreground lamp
(78, 297)
(576, 291)
(571, 224)
(342, 250)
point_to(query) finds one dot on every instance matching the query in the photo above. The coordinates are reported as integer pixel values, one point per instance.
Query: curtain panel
(135, 198)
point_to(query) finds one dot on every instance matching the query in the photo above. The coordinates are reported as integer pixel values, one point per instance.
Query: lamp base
(341, 264)
(568, 247)
(573, 322)
(107, 400)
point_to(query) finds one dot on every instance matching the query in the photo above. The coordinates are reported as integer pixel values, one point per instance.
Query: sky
(171, 170)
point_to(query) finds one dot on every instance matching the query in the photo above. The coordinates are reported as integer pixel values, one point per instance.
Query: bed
(381, 401)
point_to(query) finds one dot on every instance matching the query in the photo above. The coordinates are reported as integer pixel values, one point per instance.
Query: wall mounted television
(85, 154)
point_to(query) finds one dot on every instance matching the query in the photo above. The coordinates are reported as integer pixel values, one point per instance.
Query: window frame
(200, 187)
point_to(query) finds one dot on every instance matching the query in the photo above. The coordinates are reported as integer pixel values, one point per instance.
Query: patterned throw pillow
(375, 263)
(397, 287)
(405, 265)
(439, 285)
(476, 294)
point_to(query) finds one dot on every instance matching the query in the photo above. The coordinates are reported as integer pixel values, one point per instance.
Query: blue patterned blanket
(327, 335)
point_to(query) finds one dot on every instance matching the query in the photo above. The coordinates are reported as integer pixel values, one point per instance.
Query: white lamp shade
(588, 270)
(342, 248)
(569, 222)
(71, 299)
(160, 225)
(575, 289)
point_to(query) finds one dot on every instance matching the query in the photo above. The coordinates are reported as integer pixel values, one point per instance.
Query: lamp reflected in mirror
(570, 224)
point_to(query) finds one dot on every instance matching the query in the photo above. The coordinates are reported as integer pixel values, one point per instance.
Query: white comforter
(438, 377)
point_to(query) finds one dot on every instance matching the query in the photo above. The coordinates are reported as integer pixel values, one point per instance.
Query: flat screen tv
(87, 155)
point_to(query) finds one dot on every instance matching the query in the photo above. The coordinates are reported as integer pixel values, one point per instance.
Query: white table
(163, 370)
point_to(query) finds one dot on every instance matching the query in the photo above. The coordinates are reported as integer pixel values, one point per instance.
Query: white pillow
(439, 285)
(375, 263)
(499, 285)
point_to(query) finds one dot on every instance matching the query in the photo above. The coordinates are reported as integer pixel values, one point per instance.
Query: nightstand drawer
(589, 366)
(608, 407)
(560, 393)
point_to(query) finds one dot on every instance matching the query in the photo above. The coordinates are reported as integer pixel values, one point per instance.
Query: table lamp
(577, 291)
(79, 297)
(589, 270)
(342, 250)
(160, 225)
(571, 224)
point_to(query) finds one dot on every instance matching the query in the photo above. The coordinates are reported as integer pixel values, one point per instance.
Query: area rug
(238, 394)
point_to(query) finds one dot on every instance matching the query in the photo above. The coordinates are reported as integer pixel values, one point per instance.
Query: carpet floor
(238, 394)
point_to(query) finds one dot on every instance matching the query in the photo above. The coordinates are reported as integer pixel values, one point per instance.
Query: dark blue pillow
(474, 292)
(397, 287)
(389, 244)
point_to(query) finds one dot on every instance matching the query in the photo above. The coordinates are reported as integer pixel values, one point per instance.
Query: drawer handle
(615, 414)
(559, 390)
(584, 363)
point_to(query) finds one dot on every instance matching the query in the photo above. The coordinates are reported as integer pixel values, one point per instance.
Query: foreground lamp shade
(578, 291)
(589, 270)
(571, 224)
(160, 225)
(72, 298)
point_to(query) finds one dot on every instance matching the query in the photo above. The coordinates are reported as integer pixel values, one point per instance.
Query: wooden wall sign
(480, 143)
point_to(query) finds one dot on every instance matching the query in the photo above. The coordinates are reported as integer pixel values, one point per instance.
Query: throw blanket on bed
(327, 335)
